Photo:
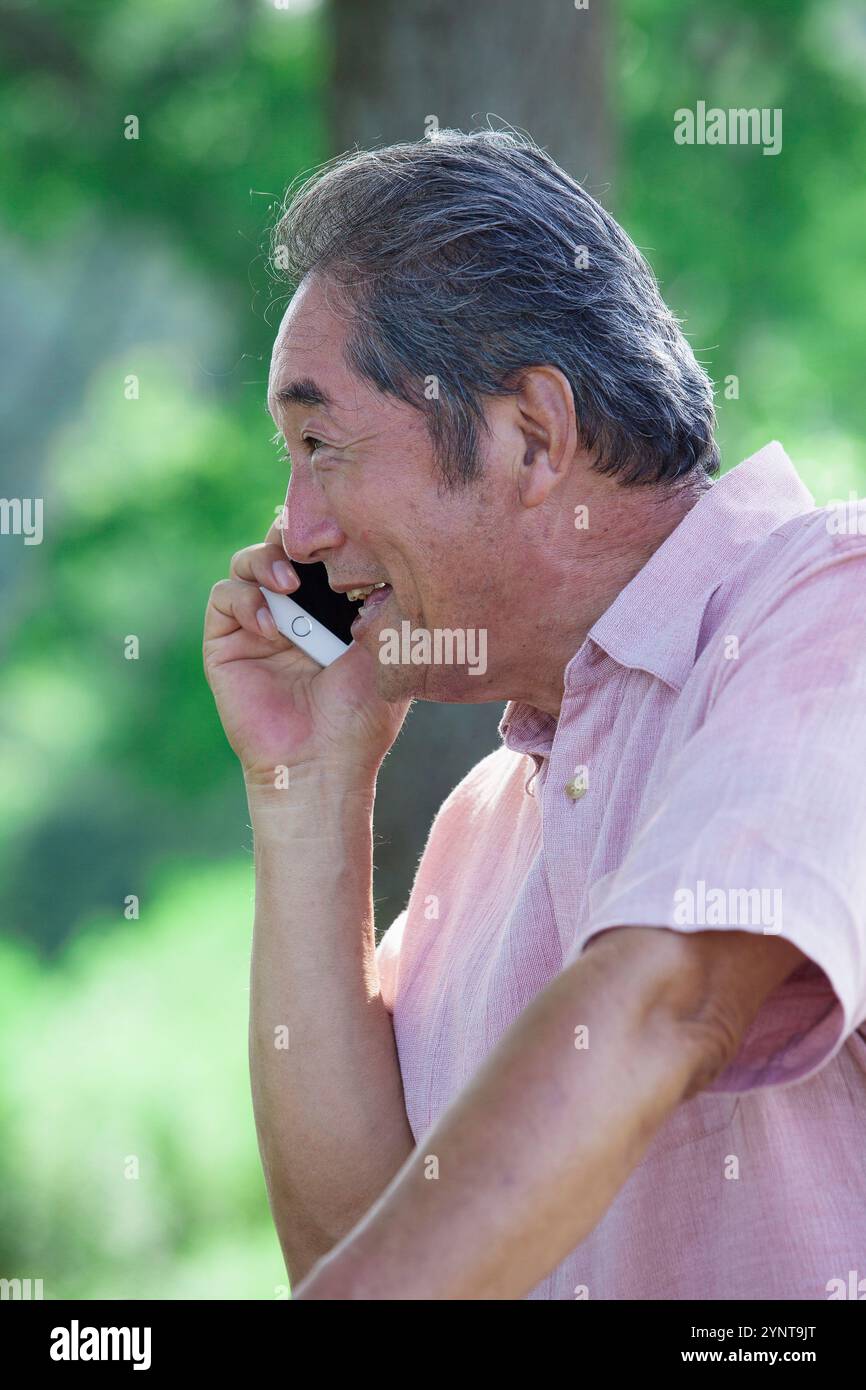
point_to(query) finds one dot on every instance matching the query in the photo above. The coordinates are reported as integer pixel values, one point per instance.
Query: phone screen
(316, 597)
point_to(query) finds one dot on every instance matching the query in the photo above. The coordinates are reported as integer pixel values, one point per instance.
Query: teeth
(355, 594)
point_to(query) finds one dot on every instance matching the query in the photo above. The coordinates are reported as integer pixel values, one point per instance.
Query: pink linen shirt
(713, 725)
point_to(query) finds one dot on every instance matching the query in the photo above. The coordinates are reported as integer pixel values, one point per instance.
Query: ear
(546, 418)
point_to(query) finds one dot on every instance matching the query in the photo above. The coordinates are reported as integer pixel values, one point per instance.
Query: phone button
(301, 627)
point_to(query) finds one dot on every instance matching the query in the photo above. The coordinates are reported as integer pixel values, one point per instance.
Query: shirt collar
(654, 622)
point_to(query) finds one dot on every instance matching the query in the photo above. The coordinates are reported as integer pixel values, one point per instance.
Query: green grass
(129, 1056)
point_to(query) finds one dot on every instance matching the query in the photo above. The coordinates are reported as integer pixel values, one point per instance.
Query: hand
(277, 705)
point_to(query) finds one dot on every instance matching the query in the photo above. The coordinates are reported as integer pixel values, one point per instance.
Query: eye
(312, 443)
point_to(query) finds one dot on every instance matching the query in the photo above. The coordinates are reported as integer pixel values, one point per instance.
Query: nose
(308, 532)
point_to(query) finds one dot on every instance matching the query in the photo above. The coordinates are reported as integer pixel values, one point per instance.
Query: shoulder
(809, 570)
(494, 781)
(824, 538)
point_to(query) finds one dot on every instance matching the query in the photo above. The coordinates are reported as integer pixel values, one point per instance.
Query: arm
(329, 1110)
(534, 1150)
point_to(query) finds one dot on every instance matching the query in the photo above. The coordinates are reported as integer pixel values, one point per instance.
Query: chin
(433, 683)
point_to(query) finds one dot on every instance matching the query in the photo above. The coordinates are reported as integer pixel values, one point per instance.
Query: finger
(265, 564)
(235, 604)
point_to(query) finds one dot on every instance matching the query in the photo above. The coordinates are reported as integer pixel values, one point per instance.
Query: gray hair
(466, 258)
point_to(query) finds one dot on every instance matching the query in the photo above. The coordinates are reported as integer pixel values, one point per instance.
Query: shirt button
(575, 788)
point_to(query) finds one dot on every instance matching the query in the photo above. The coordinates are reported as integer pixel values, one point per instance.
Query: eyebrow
(305, 391)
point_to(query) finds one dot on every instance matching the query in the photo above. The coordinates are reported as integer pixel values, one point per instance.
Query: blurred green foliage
(145, 257)
(762, 256)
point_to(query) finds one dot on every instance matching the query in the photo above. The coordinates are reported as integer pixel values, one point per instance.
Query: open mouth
(356, 594)
(374, 595)
(370, 595)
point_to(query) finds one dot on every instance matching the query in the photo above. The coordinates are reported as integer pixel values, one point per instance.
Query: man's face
(365, 497)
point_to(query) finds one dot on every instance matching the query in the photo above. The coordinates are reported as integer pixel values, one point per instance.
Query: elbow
(710, 1044)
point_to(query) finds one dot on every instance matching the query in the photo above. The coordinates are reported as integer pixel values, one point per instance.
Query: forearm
(326, 1086)
(530, 1155)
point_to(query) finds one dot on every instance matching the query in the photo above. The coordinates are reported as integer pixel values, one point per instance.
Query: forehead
(309, 345)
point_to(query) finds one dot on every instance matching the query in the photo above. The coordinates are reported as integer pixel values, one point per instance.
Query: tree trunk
(539, 67)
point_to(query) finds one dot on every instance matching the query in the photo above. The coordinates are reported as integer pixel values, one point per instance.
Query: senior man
(613, 1047)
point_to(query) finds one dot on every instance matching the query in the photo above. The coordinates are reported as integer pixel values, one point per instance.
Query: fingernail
(266, 623)
(283, 574)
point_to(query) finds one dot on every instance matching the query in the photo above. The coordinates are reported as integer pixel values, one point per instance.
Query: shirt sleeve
(388, 959)
(760, 822)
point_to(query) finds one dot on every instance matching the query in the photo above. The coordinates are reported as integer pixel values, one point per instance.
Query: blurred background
(144, 151)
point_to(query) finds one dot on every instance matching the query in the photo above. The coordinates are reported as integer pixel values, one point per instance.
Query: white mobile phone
(315, 618)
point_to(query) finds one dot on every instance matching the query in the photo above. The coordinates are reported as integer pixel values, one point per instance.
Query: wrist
(309, 783)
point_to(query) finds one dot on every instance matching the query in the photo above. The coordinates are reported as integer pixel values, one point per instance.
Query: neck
(611, 555)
